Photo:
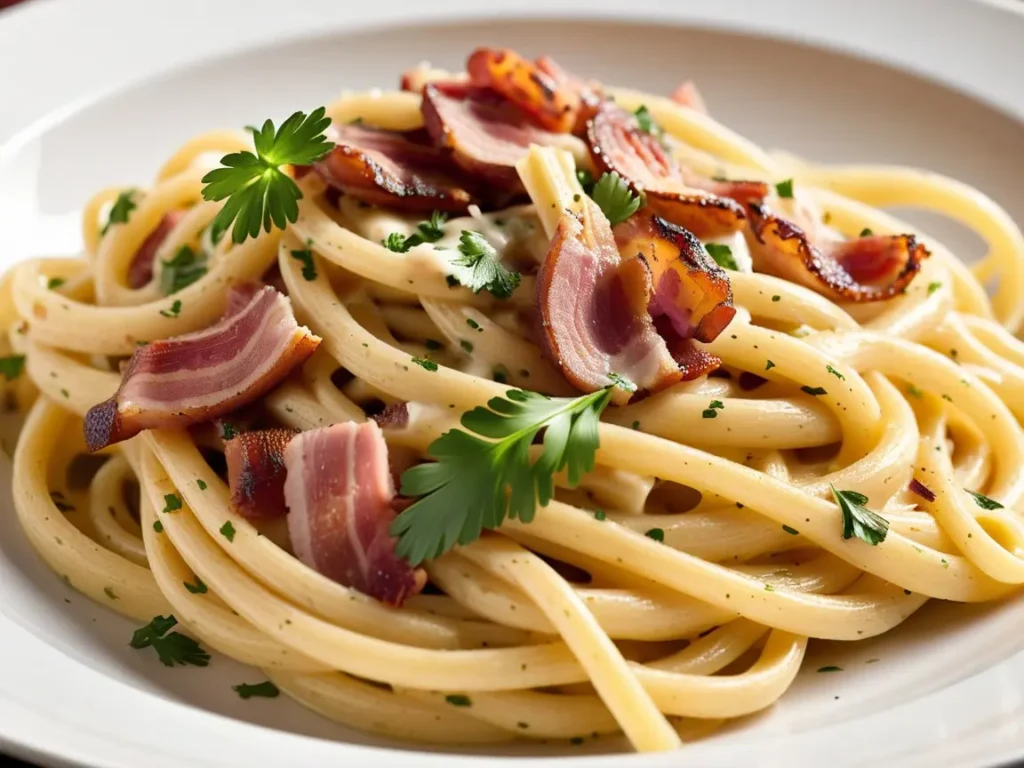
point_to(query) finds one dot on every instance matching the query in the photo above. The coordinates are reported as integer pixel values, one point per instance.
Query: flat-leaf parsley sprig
(258, 192)
(476, 482)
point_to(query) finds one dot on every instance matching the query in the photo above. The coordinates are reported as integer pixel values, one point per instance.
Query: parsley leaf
(614, 197)
(182, 270)
(586, 180)
(121, 210)
(426, 232)
(858, 520)
(12, 366)
(308, 266)
(428, 365)
(484, 474)
(258, 192)
(173, 648)
(646, 121)
(785, 188)
(479, 268)
(174, 311)
(834, 372)
(266, 690)
(984, 501)
(722, 254)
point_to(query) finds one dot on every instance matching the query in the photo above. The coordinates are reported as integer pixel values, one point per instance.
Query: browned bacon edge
(617, 143)
(872, 268)
(593, 306)
(552, 104)
(389, 168)
(256, 472)
(185, 380)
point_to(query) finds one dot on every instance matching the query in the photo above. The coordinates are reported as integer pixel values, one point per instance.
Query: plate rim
(48, 95)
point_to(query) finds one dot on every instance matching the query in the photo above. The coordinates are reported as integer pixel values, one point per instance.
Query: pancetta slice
(339, 494)
(256, 472)
(870, 268)
(185, 380)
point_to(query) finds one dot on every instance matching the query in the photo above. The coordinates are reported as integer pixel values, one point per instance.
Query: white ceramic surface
(98, 92)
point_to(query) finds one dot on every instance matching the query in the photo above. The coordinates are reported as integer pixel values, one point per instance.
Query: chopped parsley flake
(265, 690)
(830, 668)
(55, 282)
(121, 210)
(776, 297)
(467, 346)
(183, 269)
(785, 188)
(158, 527)
(722, 254)
(305, 257)
(834, 372)
(109, 592)
(600, 515)
(171, 648)
(172, 502)
(769, 365)
(458, 700)
(202, 484)
(984, 501)
(933, 287)
(657, 534)
(12, 366)
(866, 232)
(815, 391)
(174, 311)
(199, 588)
(791, 531)
(228, 531)
(428, 365)
(914, 391)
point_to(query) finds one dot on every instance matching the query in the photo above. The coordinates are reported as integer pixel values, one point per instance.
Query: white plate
(95, 93)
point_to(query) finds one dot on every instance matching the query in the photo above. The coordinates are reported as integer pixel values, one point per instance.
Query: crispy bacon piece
(922, 490)
(593, 308)
(688, 95)
(552, 104)
(864, 269)
(590, 92)
(690, 289)
(388, 168)
(486, 134)
(339, 494)
(618, 144)
(140, 270)
(256, 472)
(201, 376)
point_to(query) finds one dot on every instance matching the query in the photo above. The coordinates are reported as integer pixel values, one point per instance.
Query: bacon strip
(552, 104)
(589, 92)
(388, 168)
(256, 472)
(618, 144)
(593, 307)
(486, 134)
(140, 270)
(690, 289)
(201, 376)
(339, 494)
(872, 268)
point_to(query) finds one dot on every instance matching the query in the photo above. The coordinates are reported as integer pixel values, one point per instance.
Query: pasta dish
(512, 405)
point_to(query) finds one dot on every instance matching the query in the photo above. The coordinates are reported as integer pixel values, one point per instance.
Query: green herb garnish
(478, 267)
(785, 188)
(615, 199)
(258, 192)
(183, 269)
(984, 501)
(722, 254)
(858, 520)
(265, 690)
(120, 210)
(173, 648)
(484, 475)
(12, 366)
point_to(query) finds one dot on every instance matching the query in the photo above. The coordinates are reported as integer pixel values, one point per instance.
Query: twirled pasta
(667, 639)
